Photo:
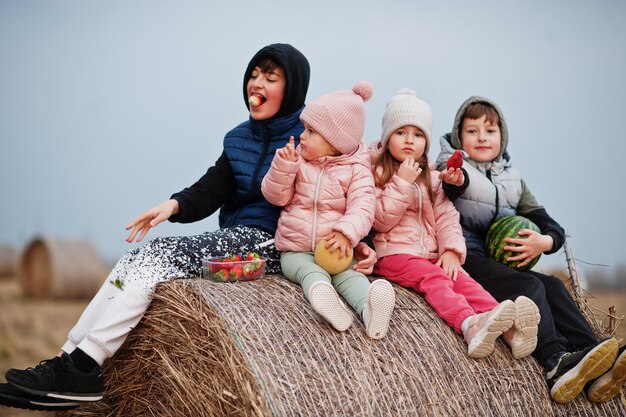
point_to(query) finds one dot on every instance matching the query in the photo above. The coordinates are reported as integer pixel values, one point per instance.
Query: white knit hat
(405, 109)
(340, 117)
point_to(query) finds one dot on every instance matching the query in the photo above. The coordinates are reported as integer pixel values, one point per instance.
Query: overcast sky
(108, 107)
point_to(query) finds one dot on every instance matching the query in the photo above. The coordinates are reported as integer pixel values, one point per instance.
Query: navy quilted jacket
(233, 184)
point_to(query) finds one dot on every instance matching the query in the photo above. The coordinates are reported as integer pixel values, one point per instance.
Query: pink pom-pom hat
(340, 116)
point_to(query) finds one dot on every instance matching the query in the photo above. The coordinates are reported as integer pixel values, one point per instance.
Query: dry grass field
(602, 300)
(31, 330)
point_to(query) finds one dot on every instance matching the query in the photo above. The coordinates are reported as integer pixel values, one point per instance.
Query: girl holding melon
(275, 84)
(494, 200)
(418, 236)
(326, 188)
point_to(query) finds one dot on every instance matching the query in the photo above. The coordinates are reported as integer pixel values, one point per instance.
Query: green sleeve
(527, 202)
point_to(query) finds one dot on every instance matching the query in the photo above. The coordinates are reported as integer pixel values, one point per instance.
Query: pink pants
(454, 301)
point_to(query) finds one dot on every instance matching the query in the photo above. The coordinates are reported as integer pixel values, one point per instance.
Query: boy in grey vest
(567, 348)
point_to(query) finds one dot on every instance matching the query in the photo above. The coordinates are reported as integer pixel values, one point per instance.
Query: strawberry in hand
(456, 160)
(454, 175)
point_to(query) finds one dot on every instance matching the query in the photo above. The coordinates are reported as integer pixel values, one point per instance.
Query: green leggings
(300, 267)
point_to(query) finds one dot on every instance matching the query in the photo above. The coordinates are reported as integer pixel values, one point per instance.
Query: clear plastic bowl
(232, 269)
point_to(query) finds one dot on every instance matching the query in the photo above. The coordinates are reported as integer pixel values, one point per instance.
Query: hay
(257, 349)
(55, 268)
(8, 261)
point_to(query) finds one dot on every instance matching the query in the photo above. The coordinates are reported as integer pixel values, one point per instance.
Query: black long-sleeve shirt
(206, 195)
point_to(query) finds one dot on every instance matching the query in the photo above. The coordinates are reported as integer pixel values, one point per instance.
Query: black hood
(297, 73)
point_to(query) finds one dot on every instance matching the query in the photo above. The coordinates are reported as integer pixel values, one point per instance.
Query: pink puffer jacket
(334, 193)
(408, 222)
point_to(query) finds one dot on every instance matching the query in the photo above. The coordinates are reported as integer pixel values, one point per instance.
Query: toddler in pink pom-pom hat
(327, 190)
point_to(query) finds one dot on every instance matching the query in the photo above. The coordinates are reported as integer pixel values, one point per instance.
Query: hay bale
(256, 349)
(8, 261)
(59, 268)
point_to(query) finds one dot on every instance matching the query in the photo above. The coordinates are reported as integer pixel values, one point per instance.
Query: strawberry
(236, 273)
(221, 275)
(256, 263)
(227, 263)
(257, 273)
(252, 255)
(236, 258)
(248, 270)
(456, 160)
(255, 101)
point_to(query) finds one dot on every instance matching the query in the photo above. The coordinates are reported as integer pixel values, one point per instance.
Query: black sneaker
(574, 370)
(610, 384)
(13, 397)
(58, 378)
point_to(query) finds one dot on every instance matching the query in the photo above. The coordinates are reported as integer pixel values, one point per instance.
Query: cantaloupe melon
(330, 260)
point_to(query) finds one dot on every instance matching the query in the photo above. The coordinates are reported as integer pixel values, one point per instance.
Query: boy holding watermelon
(492, 189)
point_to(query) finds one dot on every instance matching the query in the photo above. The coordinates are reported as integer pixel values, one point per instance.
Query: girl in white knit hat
(326, 187)
(418, 240)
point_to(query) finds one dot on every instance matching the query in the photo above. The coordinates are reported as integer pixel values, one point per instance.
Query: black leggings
(562, 327)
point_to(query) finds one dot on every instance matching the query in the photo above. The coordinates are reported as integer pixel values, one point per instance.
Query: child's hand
(529, 248)
(449, 261)
(409, 170)
(289, 152)
(365, 257)
(452, 176)
(151, 218)
(336, 240)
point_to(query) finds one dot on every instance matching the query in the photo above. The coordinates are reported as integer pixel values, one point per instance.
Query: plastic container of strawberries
(234, 268)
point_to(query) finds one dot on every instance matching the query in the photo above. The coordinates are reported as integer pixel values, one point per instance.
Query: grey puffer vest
(477, 205)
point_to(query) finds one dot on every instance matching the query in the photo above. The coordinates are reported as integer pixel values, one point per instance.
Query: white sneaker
(381, 299)
(326, 302)
(485, 328)
(522, 337)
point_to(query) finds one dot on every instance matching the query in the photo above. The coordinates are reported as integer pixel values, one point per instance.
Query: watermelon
(504, 227)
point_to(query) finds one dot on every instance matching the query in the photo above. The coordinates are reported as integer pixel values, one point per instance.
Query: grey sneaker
(574, 370)
(381, 299)
(326, 302)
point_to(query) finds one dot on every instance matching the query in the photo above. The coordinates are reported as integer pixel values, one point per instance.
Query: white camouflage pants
(114, 312)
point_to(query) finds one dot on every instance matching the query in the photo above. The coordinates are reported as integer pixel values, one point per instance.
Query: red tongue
(255, 101)
(456, 160)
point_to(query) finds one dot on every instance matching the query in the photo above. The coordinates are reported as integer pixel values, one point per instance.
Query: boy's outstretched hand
(365, 257)
(452, 176)
(151, 218)
(289, 152)
(533, 245)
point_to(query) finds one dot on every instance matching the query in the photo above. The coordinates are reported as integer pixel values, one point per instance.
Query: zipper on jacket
(495, 215)
(315, 196)
(419, 218)
(266, 145)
